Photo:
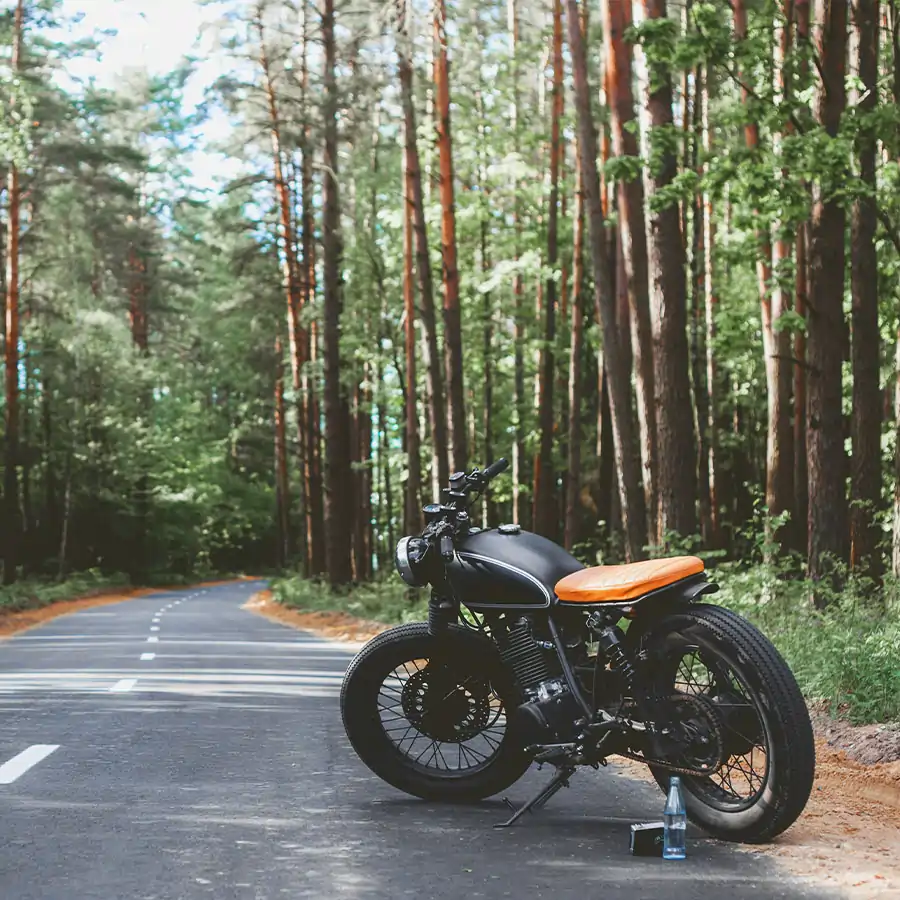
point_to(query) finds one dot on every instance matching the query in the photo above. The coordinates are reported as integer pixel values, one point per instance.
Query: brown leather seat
(608, 584)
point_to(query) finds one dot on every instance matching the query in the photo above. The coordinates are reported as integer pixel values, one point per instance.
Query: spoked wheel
(751, 727)
(428, 714)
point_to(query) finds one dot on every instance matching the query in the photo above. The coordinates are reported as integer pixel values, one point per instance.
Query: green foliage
(844, 656)
(387, 600)
(35, 594)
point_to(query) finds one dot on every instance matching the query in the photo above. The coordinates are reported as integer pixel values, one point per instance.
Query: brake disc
(446, 706)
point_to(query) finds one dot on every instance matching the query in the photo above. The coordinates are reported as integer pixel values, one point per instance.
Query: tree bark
(337, 437)
(865, 473)
(312, 456)
(11, 334)
(576, 376)
(624, 423)
(776, 344)
(827, 522)
(436, 404)
(519, 406)
(412, 503)
(801, 476)
(545, 505)
(617, 19)
(452, 316)
(282, 482)
(677, 470)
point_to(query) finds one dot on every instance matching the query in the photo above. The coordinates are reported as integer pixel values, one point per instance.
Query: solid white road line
(153, 640)
(146, 657)
(123, 686)
(20, 764)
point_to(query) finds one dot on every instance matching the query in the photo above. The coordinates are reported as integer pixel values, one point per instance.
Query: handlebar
(495, 469)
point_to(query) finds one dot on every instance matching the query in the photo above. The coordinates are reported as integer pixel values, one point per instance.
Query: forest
(647, 251)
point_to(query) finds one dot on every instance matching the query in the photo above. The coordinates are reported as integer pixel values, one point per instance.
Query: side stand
(559, 780)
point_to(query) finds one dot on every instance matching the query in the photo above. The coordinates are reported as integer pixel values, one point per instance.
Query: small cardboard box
(647, 839)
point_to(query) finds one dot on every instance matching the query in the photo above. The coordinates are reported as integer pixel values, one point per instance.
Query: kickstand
(559, 780)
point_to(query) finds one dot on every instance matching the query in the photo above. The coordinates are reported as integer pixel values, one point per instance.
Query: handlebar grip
(495, 468)
(447, 546)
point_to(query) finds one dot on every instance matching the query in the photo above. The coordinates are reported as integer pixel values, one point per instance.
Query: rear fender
(651, 607)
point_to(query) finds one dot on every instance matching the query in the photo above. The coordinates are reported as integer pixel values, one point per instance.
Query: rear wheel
(733, 679)
(429, 714)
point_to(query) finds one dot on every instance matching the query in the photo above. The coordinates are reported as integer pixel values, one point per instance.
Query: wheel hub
(445, 705)
(699, 732)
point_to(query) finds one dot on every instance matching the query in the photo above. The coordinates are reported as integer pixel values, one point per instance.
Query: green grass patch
(388, 601)
(36, 594)
(847, 655)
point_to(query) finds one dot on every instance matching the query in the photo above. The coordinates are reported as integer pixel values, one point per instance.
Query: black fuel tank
(494, 570)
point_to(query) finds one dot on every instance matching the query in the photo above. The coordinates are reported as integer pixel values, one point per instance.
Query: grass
(36, 594)
(846, 657)
(388, 601)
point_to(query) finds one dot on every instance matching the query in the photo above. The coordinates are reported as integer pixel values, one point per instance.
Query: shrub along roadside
(846, 657)
(35, 594)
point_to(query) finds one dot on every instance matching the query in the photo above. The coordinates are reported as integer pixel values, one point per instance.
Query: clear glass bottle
(675, 820)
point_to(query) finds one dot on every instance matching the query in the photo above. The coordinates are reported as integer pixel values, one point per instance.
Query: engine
(549, 714)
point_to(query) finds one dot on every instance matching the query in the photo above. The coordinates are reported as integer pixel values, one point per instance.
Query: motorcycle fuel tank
(506, 567)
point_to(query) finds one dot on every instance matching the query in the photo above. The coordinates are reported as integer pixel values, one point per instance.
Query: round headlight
(407, 557)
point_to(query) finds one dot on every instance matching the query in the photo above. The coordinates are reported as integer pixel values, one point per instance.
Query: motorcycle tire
(368, 737)
(782, 718)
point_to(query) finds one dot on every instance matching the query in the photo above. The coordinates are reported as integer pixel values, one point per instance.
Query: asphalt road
(177, 747)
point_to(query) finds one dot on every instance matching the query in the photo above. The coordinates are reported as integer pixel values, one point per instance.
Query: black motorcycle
(529, 657)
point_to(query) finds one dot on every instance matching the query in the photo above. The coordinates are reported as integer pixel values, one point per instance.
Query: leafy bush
(388, 601)
(32, 594)
(846, 656)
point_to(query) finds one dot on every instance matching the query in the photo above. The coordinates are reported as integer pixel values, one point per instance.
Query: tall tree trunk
(452, 316)
(337, 437)
(412, 520)
(519, 406)
(545, 506)
(717, 420)
(312, 457)
(617, 19)
(801, 476)
(437, 408)
(624, 423)
(11, 334)
(698, 315)
(576, 376)
(827, 538)
(677, 471)
(776, 344)
(282, 483)
(866, 340)
(138, 289)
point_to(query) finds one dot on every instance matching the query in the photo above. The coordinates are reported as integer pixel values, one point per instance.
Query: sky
(156, 35)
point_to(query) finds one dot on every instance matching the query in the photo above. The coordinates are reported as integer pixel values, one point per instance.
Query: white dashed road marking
(123, 686)
(146, 657)
(153, 640)
(154, 627)
(19, 765)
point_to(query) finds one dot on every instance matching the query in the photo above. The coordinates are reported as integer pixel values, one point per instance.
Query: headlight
(407, 560)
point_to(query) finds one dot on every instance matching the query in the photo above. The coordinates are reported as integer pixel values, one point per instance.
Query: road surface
(177, 746)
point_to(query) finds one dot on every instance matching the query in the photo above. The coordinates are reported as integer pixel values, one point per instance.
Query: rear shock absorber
(610, 641)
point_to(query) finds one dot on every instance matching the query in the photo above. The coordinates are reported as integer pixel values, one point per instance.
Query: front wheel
(429, 713)
(763, 772)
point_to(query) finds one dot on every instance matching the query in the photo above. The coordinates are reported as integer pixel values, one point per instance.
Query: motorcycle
(530, 657)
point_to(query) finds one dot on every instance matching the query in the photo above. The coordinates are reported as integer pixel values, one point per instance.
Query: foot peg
(559, 781)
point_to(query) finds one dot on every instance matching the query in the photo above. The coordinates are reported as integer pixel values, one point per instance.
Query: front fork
(443, 611)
